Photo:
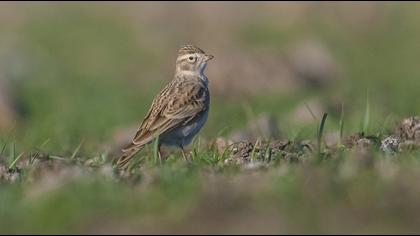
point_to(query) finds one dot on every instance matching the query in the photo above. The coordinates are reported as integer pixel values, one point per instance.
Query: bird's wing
(177, 104)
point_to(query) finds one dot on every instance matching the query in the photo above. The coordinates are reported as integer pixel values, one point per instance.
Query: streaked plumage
(180, 110)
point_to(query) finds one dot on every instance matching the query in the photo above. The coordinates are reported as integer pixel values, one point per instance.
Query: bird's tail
(128, 154)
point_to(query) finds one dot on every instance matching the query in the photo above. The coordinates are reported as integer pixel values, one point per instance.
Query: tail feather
(128, 154)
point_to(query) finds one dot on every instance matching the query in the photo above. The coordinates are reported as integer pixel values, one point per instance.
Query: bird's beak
(209, 57)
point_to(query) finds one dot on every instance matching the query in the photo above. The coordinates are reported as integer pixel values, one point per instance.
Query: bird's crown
(189, 49)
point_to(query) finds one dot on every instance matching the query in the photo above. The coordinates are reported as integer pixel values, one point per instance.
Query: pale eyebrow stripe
(186, 56)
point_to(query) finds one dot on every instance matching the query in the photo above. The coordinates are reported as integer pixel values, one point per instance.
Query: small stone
(390, 145)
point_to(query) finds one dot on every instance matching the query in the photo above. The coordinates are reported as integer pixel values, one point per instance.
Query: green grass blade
(57, 158)
(13, 164)
(321, 131)
(44, 143)
(253, 150)
(366, 116)
(267, 154)
(156, 150)
(76, 151)
(12, 154)
(3, 148)
(197, 144)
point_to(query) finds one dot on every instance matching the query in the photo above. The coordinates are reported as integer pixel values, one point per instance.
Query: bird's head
(191, 59)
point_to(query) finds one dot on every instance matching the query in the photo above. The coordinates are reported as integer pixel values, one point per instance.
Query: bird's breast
(184, 134)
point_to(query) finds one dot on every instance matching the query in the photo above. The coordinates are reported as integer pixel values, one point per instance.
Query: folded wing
(177, 104)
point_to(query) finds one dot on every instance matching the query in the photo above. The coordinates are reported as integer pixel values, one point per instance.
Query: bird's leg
(159, 155)
(183, 153)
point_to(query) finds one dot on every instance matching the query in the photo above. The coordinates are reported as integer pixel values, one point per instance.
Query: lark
(179, 111)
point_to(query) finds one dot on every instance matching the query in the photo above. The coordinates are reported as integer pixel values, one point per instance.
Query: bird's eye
(191, 58)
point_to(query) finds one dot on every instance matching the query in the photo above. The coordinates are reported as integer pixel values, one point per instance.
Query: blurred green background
(81, 70)
(73, 72)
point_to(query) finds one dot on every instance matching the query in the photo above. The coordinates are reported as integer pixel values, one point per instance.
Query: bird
(179, 110)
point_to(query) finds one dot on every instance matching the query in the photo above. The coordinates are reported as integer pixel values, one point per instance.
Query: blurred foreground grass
(343, 194)
(81, 71)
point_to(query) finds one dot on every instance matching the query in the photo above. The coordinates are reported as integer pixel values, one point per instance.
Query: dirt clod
(409, 130)
(245, 152)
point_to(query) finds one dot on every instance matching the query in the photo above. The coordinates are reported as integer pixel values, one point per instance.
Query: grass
(175, 196)
(76, 151)
(156, 157)
(366, 117)
(12, 165)
(321, 131)
(83, 72)
(341, 125)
